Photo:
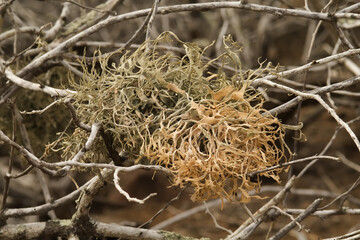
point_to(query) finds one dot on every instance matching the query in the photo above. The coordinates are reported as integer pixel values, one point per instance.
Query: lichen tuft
(208, 127)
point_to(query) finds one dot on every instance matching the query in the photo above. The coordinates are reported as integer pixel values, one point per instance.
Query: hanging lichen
(207, 127)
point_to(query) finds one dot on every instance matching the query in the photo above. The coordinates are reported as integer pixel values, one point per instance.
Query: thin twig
(151, 20)
(178, 8)
(260, 214)
(41, 111)
(87, 7)
(124, 193)
(280, 211)
(326, 148)
(10, 33)
(74, 116)
(347, 162)
(310, 95)
(60, 22)
(54, 92)
(301, 160)
(215, 221)
(350, 8)
(39, 174)
(90, 191)
(327, 213)
(249, 213)
(308, 211)
(343, 195)
(140, 31)
(187, 213)
(23, 173)
(148, 222)
(31, 158)
(95, 128)
(348, 236)
(222, 32)
(11, 160)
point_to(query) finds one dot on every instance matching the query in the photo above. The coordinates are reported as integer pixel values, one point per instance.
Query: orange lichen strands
(208, 127)
(217, 142)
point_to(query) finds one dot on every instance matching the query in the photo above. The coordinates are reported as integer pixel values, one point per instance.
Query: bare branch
(151, 19)
(163, 208)
(90, 191)
(10, 33)
(215, 221)
(65, 12)
(74, 116)
(42, 209)
(178, 8)
(11, 162)
(31, 158)
(301, 160)
(33, 53)
(260, 214)
(310, 95)
(348, 236)
(54, 92)
(348, 163)
(326, 148)
(42, 110)
(343, 195)
(308, 211)
(65, 228)
(186, 214)
(89, 142)
(87, 7)
(124, 193)
(327, 213)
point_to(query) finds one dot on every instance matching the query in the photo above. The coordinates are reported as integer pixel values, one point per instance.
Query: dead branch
(308, 211)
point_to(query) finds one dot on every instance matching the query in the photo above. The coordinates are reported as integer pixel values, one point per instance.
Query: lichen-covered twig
(65, 228)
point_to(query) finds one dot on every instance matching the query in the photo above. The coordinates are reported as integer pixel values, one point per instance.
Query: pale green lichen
(208, 127)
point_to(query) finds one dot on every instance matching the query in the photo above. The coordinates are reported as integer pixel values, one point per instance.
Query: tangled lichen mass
(207, 127)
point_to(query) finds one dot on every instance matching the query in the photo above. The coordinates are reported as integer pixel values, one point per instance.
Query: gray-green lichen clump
(206, 126)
